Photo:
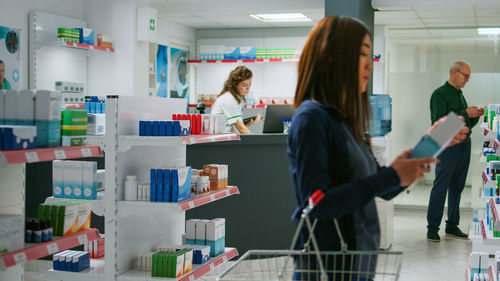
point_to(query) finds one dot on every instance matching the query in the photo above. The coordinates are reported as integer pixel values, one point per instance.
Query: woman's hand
(257, 119)
(410, 170)
(459, 137)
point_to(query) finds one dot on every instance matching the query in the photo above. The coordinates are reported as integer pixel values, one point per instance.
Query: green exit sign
(151, 24)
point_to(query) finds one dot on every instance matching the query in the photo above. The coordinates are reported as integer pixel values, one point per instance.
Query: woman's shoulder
(313, 111)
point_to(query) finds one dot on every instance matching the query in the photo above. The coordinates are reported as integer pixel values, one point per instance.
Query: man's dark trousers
(451, 173)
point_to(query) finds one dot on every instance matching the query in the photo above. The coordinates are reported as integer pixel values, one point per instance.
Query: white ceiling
(432, 22)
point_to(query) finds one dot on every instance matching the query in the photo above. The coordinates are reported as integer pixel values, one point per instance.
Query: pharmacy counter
(259, 217)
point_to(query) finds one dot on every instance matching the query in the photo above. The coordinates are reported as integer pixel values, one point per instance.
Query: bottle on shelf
(131, 188)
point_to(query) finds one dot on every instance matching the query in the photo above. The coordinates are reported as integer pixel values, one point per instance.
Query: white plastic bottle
(131, 188)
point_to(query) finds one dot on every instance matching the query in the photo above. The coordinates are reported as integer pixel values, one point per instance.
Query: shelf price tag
(82, 239)
(52, 248)
(20, 258)
(86, 152)
(192, 140)
(191, 277)
(212, 197)
(191, 204)
(31, 157)
(224, 258)
(212, 266)
(212, 138)
(60, 154)
(228, 192)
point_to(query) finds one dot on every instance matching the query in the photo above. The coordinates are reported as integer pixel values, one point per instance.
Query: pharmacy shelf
(489, 134)
(47, 248)
(198, 269)
(97, 204)
(86, 47)
(47, 154)
(487, 182)
(195, 201)
(472, 233)
(127, 142)
(260, 105)
(494, 209)
(94, 272)
(244, 61)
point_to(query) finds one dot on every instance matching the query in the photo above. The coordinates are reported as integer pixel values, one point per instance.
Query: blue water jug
(381, 124)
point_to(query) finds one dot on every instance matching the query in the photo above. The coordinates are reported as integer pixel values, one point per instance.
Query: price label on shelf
(20, 258)
(212, 266)
(52, 248)
(228, 192)
(82, 239)
(31, 157)
(86, 152)
(224, 258)
(192, 140)
(229, 137)
(212, 138)
(191, 277)
(60, 154)
(212, 197)
(91, 47)
(191, 204)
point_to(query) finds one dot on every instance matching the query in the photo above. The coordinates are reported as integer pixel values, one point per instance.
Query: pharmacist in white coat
(230, 100)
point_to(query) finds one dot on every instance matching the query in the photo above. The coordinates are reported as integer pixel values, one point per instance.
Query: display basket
(312, 264)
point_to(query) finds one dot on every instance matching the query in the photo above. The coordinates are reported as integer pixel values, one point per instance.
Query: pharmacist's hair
(237, 75)
(1, 62)
(458, 65)
(328, 71)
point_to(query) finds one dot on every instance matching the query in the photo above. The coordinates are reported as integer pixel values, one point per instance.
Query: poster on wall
(9, 58)
(179, 74)
(161, 71)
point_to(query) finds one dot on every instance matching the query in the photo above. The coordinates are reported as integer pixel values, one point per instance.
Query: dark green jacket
(448, 98)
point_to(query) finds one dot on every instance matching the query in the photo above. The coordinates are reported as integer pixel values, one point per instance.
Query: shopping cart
(311, 264)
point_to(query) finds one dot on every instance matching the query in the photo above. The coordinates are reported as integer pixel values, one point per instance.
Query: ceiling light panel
(282, 17)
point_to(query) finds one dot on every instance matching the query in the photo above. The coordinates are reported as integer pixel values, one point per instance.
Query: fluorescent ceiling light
(284, 17)
(488, 30)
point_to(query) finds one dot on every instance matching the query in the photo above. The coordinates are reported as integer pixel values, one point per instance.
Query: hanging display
(9, 58)
(179, 84)
(161, 71)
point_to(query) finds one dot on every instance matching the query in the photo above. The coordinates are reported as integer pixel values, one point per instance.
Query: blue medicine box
(167, 188)
(142, 128)
(163, 128)
(159, 185)
(18, 137)
(156, 128)
(152, 185)
(86, 36)
(148, 128)
(181, 184)
(169, 128)
(176, 128)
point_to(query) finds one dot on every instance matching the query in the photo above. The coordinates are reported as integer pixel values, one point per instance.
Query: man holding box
(451, 171)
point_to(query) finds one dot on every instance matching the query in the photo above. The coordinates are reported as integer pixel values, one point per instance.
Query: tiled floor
(422, 260)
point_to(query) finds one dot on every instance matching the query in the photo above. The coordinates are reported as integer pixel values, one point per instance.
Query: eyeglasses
(467, 76)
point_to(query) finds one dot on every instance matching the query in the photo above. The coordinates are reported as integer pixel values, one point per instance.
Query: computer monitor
(273, 116)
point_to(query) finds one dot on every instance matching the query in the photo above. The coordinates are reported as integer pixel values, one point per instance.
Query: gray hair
(458, 65)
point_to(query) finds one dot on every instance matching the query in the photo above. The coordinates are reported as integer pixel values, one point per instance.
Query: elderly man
(451, 171)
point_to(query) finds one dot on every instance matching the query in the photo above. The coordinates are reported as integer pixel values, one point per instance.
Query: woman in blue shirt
(328, 147)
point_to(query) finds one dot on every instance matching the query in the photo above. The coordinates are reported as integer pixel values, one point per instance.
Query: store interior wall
(415, 71)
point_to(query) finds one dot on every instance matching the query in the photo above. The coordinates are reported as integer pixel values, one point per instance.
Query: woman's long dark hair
(328, 71)
(237, 75)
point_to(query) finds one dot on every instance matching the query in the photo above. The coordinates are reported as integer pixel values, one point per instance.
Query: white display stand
(381, 147)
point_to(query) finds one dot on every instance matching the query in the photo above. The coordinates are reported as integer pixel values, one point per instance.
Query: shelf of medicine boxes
(94, 272)
(245, 60)
(487, 183)
(489, 134)
(126, 142)
(490, 274)
(195, 201)
(198, 269)
(86, 47)
(40, 250)
(48, 154)
(97, 204)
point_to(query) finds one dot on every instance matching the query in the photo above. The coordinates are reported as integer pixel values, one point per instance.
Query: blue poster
(9, 58)
(179, 74)
(161, 71)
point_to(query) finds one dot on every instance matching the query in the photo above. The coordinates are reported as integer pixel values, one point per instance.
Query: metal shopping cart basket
(311, 264)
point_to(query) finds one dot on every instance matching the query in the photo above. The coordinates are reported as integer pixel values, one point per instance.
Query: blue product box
(169, 128)
(86, 36)
(18, 137)
(181, 184)
(99, 107)
(156, 128)
(103, 107)
(159, 185)
(201, 254)
(248, 53)
(142, 128)
(68, 265)
(185, 127)
(56, 263)
(93, 108)
(231, 53)
(148, 128)
(87, 107)
(48, 133)
(162, 128)
(152, 185)
(176, 128)
(167, 190)
(80, 261)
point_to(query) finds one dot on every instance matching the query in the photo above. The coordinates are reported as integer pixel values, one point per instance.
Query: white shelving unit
(136, 227)
(12, 190)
